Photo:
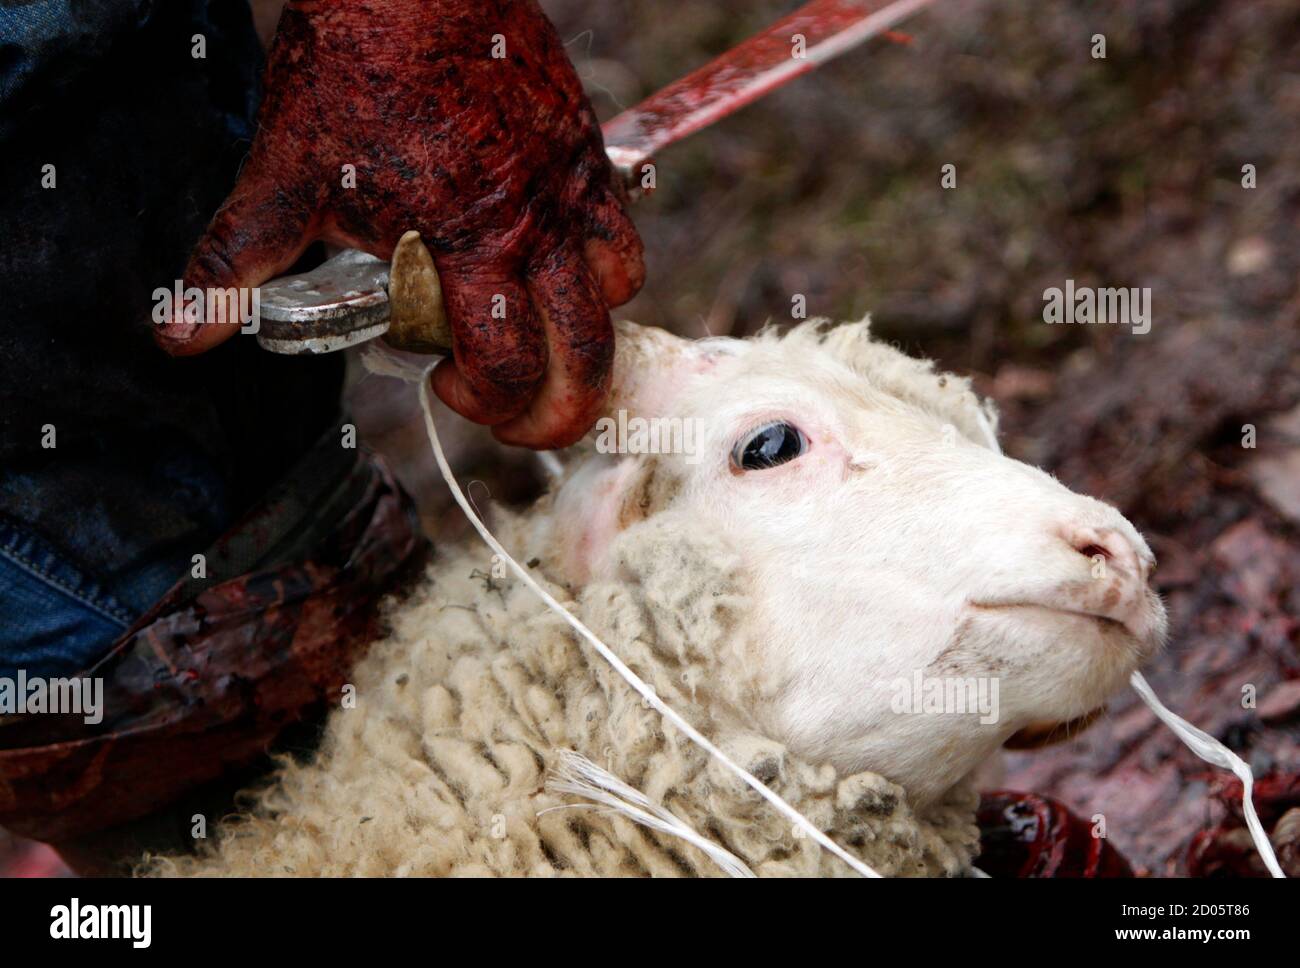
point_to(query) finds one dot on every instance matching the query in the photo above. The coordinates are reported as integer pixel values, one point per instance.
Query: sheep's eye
(768, 446)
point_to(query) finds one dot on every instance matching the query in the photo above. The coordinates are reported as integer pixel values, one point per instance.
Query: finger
(613, 249)
(581, 342)
(499, 352)
(258, 233)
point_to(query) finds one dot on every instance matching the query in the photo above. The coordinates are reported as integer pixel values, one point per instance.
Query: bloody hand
(464, 121)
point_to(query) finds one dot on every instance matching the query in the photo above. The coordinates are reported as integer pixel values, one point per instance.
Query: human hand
(498, 163)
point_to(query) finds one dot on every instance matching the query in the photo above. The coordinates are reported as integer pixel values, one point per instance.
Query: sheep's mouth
(1102, 621)
(1037, 735)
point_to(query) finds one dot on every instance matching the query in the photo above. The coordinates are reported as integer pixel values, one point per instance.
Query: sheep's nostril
(1113, 547)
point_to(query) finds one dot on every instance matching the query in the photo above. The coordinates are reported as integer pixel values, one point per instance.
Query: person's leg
(54, 620)
(199, 687)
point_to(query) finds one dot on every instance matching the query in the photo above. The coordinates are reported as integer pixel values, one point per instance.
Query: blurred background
(1121, 172)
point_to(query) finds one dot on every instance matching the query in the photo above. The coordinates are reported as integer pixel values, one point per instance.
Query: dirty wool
(445, 764)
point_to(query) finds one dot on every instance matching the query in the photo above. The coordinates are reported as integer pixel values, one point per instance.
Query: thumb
(258, 233)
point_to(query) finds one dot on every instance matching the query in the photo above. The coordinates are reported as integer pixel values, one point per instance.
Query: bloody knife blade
(345, 300)
(827, 28)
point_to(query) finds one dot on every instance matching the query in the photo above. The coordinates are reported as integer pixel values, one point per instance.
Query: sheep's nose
(1111, 549)
(1116, 587)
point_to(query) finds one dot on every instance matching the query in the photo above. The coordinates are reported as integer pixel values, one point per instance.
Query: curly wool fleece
(441, 768)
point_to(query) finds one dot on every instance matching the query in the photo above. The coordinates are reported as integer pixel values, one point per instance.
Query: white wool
(466, 710)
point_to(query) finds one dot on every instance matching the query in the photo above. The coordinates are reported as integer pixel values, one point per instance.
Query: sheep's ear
(603, 497)
(653, 367)
(607, 492)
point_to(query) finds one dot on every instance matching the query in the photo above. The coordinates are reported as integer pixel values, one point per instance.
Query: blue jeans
(54, 620)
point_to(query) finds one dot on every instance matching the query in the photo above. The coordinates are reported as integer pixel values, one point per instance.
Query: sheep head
(919, 598)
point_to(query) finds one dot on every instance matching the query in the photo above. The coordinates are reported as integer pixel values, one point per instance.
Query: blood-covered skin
(497, 162)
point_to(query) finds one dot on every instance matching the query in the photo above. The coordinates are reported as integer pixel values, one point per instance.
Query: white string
(576, 775)
(390, 367)
(1198, 741)
(1212, 751)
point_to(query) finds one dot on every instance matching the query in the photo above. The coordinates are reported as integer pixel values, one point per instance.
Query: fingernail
(179, 332)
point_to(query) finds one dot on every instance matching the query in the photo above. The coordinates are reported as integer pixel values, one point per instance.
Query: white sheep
(842, 583)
